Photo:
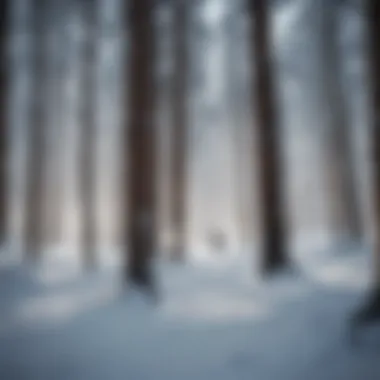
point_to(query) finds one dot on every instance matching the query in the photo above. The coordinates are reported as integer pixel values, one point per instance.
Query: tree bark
(373, 17)
(88, 136)
(179, 128)
(274, 254)
(4, 13)
(36, 138)
(140, 146)
(340, 167)
(370, 311)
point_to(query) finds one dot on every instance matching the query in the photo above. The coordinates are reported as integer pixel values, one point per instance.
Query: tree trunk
(57, 79)
(88, 136)
(268, 145)
(235, 98)
(179, 128)
(36, 138)
(4, 13)
(373, 17)
(340, 167)
(140, 146)
(370, 311)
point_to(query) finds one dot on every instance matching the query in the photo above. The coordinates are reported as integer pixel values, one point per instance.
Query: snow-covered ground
(213, 322)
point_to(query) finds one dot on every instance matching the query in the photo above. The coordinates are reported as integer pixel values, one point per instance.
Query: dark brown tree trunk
(88, 136)
(140, 146)
(4, 13)
(340, 167)
(268, 135)
(36, 138)
(179, 128)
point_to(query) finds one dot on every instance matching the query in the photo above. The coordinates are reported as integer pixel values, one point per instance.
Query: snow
(213, 321)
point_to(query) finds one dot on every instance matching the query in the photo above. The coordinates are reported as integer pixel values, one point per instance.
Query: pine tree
(179, 127)
(140, 147)
(340, 168)
(370, 311)
(4, 13)
(37, 136)
(88, 135)
(268, 138)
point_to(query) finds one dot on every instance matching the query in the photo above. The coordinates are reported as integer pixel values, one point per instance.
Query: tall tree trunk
(340, 167)
(373, 17)
(54, 220)
(370, 311)
(235, 97)
(4, 13)
(88, 135)
(140, 146)
(36, 138)
(179, 127)
(270, 175)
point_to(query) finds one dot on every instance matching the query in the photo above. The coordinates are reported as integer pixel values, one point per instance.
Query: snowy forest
(189, 189)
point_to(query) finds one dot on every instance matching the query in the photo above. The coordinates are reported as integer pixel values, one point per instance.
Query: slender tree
(36, 138)
(268, 142)
(140, 147)
(235, 98)
(179, 126)
(371, 309)
(88, 135)
(58, 70)
(4, 12)
(340, 168)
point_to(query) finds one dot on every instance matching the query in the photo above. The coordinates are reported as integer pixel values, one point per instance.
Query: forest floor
(212, 322)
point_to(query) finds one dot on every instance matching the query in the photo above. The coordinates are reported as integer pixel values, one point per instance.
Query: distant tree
(270, 181)
(37, 136)
(4, 24)
(340, 167)
(140, 130)
(236, 102)
(179, 126)
(88, 134)
(57, 78)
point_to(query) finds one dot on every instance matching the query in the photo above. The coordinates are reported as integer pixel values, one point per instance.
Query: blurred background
(179, 175)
